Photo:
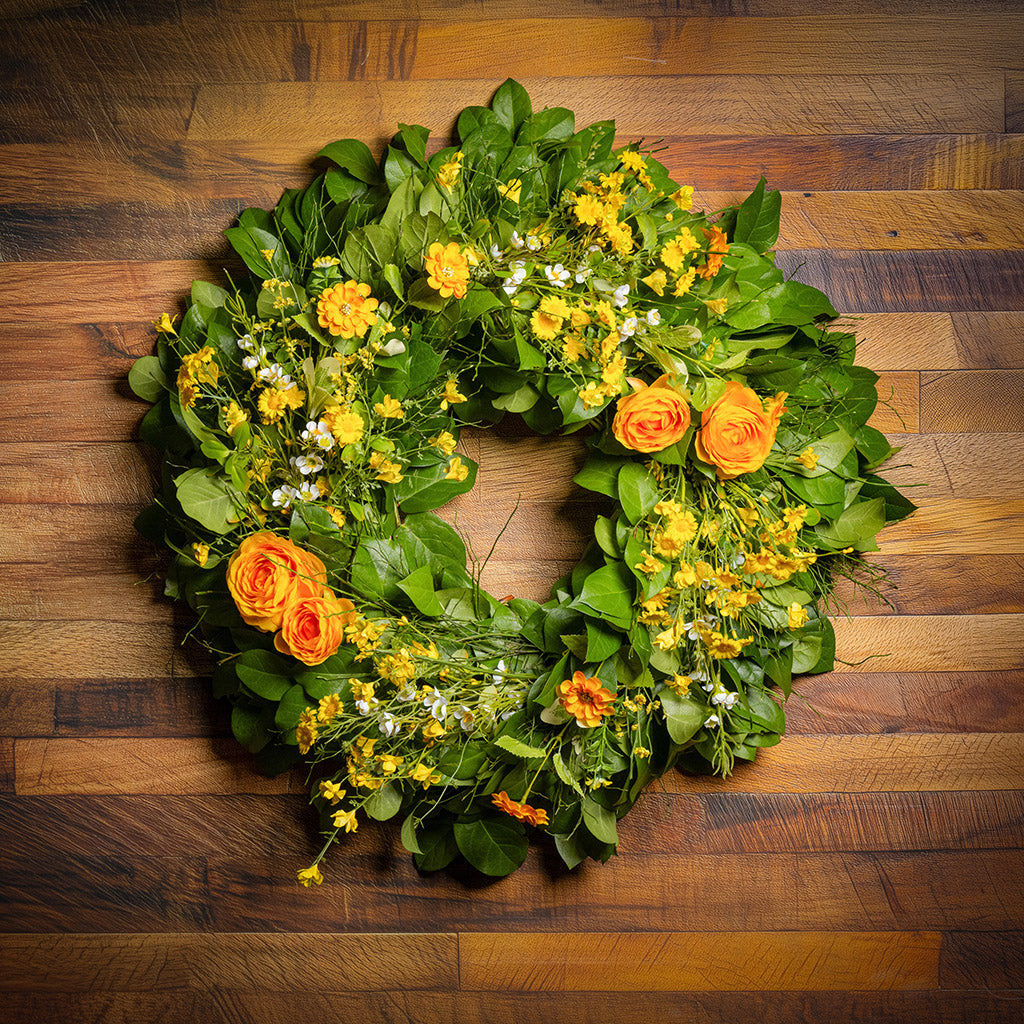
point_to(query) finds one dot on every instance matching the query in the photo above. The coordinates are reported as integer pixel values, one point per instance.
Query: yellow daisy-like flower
(457, 470)
(649, 564)
(347, 310)
(589, 210)
(549, 316)
(273, 403)
(389, 408)
(674, 254)
(329, 708)
(447, 269)
(685, 282)
(345, 425)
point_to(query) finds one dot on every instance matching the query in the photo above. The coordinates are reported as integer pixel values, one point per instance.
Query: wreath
(309, 416)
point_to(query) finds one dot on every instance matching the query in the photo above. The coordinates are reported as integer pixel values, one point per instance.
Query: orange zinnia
(585, 699)
(447, 270)
(521, 812)
(347, 310)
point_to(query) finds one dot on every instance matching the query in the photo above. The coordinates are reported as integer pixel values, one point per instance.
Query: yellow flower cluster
(598, 205)
(196, 368)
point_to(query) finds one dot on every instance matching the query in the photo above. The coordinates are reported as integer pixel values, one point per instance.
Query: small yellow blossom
(388, 472)
(511, 190)
(345, 425)
(234, 417)
(200, 552)
(331, 791)
(433, 730)
(444, 442)
(717, 306)
(389, 408)
(345, 820)
(656, 281)
(683, 197)
(451, 394)
(329, 708)
(808, 457)
(165, 325)
(649, 564)
(797, 615)
(457, 470)
(310, 876)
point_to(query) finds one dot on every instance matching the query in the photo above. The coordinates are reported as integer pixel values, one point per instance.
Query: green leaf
(602, 641)
(519, 748)
(409, 840)
(600, 821)
(147, 378)
(250, 243)
(355, 157)
(517, 401)
(384, 803)
(265, 673)
(551, 125)
(757, 220)
(855, 527)
(425, 488)
(249, 729)
(683, 715)
(210, 499)
(293, 703)
(511, 104)
(600, 473)
(422, 296)
(608, 591)
(569, 851)
(562, 771)
(418, 586)
(437, 846)
(494, 846)
(638, 492)
(209, 295)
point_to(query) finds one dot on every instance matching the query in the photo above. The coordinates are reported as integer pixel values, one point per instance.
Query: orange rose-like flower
(447, 269)
(585, 699)
(652, 418)
(266, 573)
(738, 432)
(313, 627)
(347, 310)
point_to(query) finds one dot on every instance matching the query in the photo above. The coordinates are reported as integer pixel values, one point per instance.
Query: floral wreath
(309, 419)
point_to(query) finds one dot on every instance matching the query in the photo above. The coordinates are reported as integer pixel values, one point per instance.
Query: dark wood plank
(974, 960)
(892, 702)
(102, 351)
(776, 822)
(184, 1006)
(1014, 102)
(6, 765)
(208, 962)
(877, 282)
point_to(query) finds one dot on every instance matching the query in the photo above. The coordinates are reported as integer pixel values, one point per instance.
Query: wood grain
(869, 868)
(681, 961)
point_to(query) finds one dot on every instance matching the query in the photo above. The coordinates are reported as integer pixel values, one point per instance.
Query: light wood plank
(959, 527)
(879, 220)
(686, 961)
(906, 763)
(722, 105)
(978, 400)
(252, 962)
(97, 766)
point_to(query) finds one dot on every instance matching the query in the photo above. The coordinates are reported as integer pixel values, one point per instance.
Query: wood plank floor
(870, 868)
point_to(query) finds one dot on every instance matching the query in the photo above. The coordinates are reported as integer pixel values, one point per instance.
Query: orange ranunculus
(585, 699)
(313, 627)
(266, 573)
(652, 418)
(737, 432)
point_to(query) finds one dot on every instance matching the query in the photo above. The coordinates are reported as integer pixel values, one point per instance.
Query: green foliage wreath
(308, 419)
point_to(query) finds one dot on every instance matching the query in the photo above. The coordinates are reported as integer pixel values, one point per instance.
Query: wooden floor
(871, 868)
